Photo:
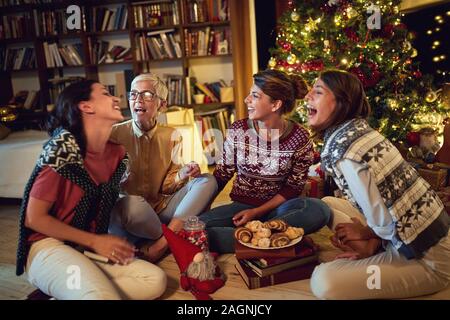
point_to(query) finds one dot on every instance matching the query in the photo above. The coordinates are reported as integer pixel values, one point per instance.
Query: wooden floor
(12, 287)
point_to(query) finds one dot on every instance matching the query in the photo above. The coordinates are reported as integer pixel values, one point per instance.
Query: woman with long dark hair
(67, 204)
(392, 226)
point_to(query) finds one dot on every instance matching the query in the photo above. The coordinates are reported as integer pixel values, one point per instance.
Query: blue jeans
(133, 217)
(308, 213)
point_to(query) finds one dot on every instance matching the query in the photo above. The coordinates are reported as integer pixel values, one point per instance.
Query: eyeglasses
(146, 95)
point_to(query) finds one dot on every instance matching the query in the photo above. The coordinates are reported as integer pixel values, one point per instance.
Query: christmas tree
(369, 40)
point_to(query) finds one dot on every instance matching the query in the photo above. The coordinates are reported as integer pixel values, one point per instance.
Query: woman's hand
(338, 244)
(114, 248)
(244, 216)
(190, 170)
(368, 249)
(352, 231)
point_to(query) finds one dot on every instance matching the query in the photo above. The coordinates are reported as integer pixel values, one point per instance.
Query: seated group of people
(107, 186)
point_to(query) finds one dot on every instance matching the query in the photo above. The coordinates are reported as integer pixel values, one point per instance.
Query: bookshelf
(193, 41)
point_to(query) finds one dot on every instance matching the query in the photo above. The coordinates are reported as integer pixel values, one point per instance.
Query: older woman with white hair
(157, 189)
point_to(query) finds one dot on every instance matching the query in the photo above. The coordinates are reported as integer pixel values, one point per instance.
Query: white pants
(62, 272)
(398, 276)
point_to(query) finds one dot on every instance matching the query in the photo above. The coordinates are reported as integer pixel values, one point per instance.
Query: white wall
(212, 69)
(25, 80)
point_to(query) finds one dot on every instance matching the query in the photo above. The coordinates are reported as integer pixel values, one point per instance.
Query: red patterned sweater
(264, 169)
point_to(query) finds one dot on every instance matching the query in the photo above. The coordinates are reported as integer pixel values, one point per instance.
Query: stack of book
(203, 11)
(99, 19)
(61, 55)
(261, 268)
(147, 15)
(160, 44)
(17, 58)
(207, 41)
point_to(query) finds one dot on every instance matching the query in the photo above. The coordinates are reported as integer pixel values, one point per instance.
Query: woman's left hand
(351, 231)
(244, 216)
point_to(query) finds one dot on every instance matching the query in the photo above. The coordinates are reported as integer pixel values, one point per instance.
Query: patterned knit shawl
(62, 154)
(417, 211)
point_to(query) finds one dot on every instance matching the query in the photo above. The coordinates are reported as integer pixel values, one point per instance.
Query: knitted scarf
(62, 154)
(417, 211)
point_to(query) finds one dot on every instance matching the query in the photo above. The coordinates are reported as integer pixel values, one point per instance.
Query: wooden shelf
(14, 40)
(159, 60)
(228, 55)
(106, 33)
(22, 70)
(91, 71)
(68, 67)
(207, 24)
(156, 28)
(111, 63)
(60, 36)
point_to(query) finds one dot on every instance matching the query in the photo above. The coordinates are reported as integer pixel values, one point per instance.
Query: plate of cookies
(273, 234)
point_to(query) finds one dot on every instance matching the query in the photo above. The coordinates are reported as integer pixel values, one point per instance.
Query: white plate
(293, 242)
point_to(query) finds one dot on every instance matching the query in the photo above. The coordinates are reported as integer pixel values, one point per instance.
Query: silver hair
(160, 86)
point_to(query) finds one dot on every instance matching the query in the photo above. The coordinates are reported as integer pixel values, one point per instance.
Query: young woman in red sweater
(270, 156)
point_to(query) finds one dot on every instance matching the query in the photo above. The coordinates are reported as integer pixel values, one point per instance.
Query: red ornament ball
(413, 138)
(417, 74)
(286, 46)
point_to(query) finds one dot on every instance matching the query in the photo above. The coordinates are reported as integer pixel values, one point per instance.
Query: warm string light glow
(381, 58)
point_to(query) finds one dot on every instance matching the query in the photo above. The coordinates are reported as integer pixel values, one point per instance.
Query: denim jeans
(133, 218)
(308, 213)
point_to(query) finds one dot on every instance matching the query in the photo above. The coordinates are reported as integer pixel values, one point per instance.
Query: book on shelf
(207, 41)
(206, 10)
(253, 281)
(17, 58)
(147, 15)
(160, 44)
(205, 90)
(32, 100)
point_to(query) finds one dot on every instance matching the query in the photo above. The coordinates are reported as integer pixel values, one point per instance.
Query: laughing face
(259, 105)
(321, 103)
(145, 109)
(106, 105)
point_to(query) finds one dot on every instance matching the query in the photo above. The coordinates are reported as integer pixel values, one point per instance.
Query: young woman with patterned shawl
(391, 225)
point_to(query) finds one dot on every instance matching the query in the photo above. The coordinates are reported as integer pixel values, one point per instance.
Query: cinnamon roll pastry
(279, 240)
(294, 233)
(243, 234)
(278, 225)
